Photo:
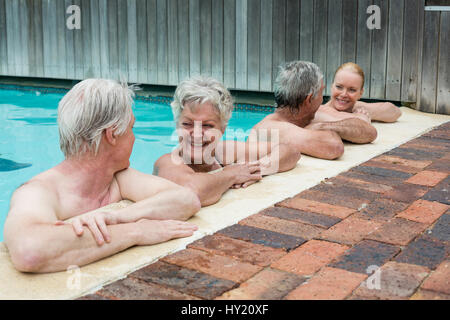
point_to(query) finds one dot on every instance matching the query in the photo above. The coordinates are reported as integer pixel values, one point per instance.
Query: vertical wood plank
(265, 64)
(254, 27)
(443, 86)
(205, 37)
(194, 37)
(229, 43)
(183, 40)
(379, 54)
(349, 28)
(126, 47)
(410, 50)
(394, 50)
(31, 36)
(104, 36)
(172, 42)
(320, 36)
(23, 30)
(95, 39)
(161, 25)
(131, 35)
(217, 40)
(241, 44)
(430, 62)
(334, 46)
(11, 66)
(152, 43)
(113, 41)
(86, 38)
(16, 38)
(50, 39)
(69, 46)
(364, 48)
(142, 68)
(3, 40)
(306, 30)
(292, 30)
(78, 46)
(61, 39)
(278, 36)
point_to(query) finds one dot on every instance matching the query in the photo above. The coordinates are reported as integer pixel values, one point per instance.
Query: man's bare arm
(36, 244)
(352, 129)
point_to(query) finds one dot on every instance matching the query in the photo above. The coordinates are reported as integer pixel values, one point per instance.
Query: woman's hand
(245, 174)
(96, 223)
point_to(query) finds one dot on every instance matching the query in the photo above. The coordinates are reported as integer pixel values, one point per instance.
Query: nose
(197, 132)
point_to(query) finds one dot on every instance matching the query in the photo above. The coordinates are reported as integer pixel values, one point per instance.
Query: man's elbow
(335, 147)
(25, 255)
(191, 203)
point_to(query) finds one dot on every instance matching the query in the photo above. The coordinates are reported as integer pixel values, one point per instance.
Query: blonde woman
(346, 90)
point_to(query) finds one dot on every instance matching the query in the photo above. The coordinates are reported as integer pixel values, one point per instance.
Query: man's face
(315, 102)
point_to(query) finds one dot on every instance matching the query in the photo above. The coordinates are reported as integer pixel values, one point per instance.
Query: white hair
(90, 107)
(295, 81)
(200, 90)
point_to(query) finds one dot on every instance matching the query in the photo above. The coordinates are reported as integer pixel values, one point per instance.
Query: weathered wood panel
(443, 86)
(239, 42)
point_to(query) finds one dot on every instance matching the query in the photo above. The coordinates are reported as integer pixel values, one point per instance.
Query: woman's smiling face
(200, 128)
(346, 90)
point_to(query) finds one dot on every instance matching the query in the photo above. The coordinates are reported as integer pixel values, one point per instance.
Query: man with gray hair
(95, 121)
(298, 95)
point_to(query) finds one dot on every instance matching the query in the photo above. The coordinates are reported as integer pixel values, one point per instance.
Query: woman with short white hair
(202, 107)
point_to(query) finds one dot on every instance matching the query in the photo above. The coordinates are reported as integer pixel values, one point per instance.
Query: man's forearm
(49, 248)
(353, 130)
(211, 186)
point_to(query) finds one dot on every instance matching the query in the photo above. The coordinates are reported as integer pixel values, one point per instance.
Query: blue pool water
(29, 142)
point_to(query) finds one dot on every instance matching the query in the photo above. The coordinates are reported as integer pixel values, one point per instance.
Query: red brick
(238, 249)
(215, 265)
(440, 165)
(391, 166)
(282, 226)
(328, 284)
(397, 231)
(135, 289)
(333, 199)
(361, 184)
(269, 284)
(427, 178)
(424, 211)
(393, 281)
(439, 280)
(317, 207)
(310, 257)
(350, 230)
(406, 192)
(430, 295)
(404, 162)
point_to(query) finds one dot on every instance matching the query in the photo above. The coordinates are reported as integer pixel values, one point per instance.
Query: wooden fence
(240, 42)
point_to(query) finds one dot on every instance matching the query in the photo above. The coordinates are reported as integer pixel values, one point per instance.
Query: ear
(110, 136)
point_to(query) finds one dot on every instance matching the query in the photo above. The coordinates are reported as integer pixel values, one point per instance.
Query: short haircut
(90, 107)
(200, 90)
(295, 81)
(352, 67)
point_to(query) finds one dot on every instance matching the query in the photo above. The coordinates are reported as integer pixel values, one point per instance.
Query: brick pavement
(378, 231)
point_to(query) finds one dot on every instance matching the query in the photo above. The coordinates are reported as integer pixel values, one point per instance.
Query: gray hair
(200, 90)
(90, 107)
(295, 81)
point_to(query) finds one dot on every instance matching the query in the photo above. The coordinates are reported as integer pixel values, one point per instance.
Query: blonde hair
(353, 67)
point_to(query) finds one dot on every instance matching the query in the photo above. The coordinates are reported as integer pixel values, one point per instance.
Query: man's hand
(245, 174)
(96, 222)
(157, 231)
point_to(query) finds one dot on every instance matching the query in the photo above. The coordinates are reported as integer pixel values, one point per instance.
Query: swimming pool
(29, 141)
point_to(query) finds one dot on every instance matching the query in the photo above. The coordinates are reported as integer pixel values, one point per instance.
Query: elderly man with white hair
(205, 163)
(95, 121)
(298, 95)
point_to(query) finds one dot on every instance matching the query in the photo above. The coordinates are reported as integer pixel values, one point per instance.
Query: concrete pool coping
(233, 207)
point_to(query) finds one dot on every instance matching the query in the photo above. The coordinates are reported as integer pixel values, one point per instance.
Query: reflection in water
(8, 165)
